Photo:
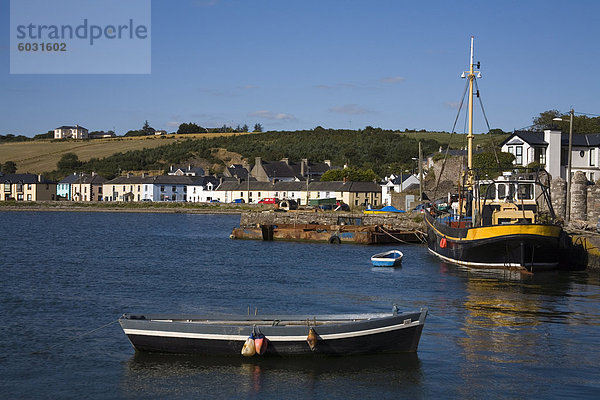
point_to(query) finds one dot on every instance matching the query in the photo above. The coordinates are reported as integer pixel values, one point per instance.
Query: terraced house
(27, 187)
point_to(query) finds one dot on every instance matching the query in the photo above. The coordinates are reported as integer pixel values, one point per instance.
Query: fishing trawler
(496, 223)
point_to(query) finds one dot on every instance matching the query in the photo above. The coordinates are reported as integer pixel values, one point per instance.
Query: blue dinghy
(391, 258)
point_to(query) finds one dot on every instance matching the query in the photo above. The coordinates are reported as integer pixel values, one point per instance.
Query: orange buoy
(443, 243)
(260, 343)
(312, 339)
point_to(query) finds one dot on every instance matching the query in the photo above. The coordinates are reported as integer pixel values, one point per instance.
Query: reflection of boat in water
(287, 335)
(147, 374)
(498, 222)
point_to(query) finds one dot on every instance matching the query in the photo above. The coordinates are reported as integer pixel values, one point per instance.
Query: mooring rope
(400, 240)
(75, 337)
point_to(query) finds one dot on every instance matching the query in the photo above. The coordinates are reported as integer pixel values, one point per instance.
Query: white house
(202, 190)
(398, 184)
(550, 149)
(71, 132)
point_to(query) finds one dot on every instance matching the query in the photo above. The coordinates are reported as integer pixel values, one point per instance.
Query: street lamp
(568, 208)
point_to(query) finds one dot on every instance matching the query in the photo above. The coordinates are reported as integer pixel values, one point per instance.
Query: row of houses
(84, 187)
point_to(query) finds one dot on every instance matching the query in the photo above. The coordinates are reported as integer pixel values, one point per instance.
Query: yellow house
(88, 188)
(27, 187)
(125, 188)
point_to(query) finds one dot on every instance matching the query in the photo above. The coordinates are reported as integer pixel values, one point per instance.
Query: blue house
(63, 188)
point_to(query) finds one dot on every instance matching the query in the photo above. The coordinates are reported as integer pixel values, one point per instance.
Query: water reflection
(149, 375)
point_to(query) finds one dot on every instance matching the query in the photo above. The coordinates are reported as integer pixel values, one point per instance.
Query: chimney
(220, 181)
(128, 175)
(345, 179)
(143, 174)
(328, 162)
(239, 181)
(303, 165)
(40, 178)
(258, 161)
(93, 173)
(286, 160)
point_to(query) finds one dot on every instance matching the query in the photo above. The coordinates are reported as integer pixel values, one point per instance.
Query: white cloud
(173, 124)
(350, 109)
(452, 105)
(393, 79)
(271, 115)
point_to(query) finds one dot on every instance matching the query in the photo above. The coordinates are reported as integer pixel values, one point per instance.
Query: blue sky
(340, 64)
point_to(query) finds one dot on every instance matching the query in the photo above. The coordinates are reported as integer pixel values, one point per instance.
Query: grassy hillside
(42, 155)
(366, 150)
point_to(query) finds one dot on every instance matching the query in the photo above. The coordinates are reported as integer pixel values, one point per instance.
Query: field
(42, 155)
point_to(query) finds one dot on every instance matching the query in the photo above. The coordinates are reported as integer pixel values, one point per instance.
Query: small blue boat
(391, 258)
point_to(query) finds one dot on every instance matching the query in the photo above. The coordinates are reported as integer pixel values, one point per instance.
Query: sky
(292, 65)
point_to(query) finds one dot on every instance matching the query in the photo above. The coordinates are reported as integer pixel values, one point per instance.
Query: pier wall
(400, 221)
(585, 201)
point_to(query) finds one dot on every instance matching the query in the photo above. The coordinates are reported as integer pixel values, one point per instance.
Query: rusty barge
(331, 228)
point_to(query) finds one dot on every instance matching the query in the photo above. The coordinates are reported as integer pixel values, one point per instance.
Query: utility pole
(420, 173)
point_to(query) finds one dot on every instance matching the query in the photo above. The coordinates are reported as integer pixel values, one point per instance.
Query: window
(519, 155)
(29, 186)
(174, 189)
(7, 187)
(592, 157)
(28, 197)
(20, 196)
(539, 155)
(162, 188)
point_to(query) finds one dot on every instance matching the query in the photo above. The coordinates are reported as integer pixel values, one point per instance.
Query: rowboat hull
(287, 335)
(392, 258)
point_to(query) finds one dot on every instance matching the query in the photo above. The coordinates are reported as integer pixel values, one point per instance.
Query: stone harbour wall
(585, 201)
(400, 221)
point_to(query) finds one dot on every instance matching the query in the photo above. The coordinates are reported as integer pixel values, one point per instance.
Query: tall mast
(471, 75)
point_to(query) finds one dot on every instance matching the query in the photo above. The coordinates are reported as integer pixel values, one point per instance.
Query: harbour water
(65, 274)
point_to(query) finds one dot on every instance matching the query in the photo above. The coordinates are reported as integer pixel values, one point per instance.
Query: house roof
(71, 127)
(582, 140)
(129, 180)
(236, 171)
(532, 138)
(89, 179)
(25, 178)
(186, 169)
(70, 178)
(204, 180)
(278, 169)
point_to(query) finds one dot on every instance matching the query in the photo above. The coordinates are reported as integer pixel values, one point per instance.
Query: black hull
(528, 247)
(392, 334)
(405, 341)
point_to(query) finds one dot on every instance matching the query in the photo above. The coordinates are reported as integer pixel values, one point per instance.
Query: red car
(268, 200)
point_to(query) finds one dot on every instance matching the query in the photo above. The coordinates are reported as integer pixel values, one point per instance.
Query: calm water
(66, 274)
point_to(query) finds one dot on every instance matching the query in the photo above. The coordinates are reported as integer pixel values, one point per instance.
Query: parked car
(215, 201)
(421, 208)
(238, 201)
(268, 200)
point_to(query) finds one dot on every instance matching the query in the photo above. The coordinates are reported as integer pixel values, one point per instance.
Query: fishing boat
(281, 335)
(496, 223)
(391, 258)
